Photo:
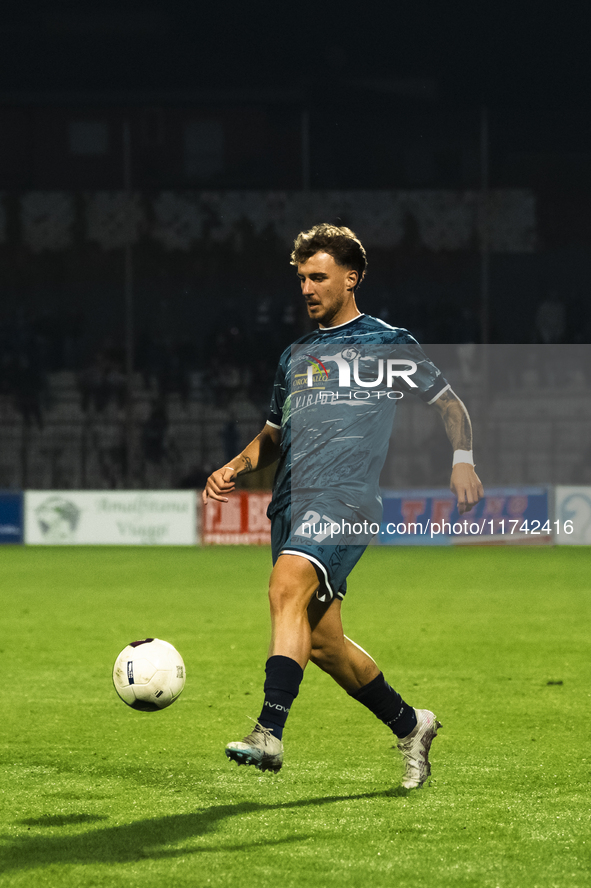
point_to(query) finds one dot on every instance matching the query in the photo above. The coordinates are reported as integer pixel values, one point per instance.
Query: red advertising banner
(243, 519)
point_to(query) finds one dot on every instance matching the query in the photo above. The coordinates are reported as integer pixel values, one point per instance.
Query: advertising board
(243, 519)
(11, 516)
(572, 515)
(506, 516)
(111, 517)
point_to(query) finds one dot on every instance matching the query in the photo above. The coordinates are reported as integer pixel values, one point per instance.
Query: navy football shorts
(314, 534)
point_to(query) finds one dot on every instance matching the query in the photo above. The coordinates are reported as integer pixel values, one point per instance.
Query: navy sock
(282, 684)
(387, 705)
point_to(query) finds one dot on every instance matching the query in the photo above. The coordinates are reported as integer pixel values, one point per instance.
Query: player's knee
(283, 595)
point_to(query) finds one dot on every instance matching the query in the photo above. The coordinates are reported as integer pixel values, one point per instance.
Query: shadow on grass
(148, 839)
(62, 819)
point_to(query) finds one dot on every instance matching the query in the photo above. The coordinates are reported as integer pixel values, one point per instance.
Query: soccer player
(329, 426)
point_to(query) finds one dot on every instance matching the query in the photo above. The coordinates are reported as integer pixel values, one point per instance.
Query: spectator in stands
(166, 365)
(104, 380)
(24, 377)
(227, 371)
(91, 385)
(154, 433)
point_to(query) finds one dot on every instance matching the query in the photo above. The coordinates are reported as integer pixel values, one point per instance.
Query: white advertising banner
(111, 517)
(572, 513)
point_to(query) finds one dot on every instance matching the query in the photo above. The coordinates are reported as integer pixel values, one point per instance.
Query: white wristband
(463, 456)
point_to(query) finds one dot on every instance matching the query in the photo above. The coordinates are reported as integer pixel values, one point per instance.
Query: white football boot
(260, 748)
(415, 749)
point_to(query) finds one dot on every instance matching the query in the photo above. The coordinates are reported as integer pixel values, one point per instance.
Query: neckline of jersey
(338, 326)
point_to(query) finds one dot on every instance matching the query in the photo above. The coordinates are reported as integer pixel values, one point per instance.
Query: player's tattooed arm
(465, 483)
(455, 419)
(247, 467)
(261, 452)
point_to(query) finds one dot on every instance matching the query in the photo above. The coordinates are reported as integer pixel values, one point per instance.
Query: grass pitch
(496, 641)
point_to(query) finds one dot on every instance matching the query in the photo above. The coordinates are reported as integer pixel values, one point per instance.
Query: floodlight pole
(129, 314)
(485, 393)
(484, 228)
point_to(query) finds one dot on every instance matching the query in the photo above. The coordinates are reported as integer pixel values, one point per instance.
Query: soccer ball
(149, 674)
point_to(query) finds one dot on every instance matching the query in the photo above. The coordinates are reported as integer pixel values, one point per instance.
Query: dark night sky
(509, 54)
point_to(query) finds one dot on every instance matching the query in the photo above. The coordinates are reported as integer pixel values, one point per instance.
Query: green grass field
(496, 641)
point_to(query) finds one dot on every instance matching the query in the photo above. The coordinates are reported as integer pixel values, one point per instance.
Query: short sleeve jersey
(334, 399)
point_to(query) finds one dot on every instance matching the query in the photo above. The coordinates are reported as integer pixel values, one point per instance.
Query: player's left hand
(466, 485)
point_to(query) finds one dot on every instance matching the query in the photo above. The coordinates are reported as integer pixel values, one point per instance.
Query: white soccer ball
(149, 674)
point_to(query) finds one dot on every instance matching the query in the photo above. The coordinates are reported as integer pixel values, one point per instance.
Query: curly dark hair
(340, 242)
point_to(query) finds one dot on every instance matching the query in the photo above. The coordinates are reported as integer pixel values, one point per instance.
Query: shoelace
(261, 730)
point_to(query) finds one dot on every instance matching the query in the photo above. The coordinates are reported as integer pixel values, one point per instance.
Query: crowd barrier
(506, 516)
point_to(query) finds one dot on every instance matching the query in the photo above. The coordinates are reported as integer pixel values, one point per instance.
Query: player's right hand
(220, 483)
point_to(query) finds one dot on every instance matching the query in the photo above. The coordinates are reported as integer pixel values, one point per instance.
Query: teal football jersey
(334, 399)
